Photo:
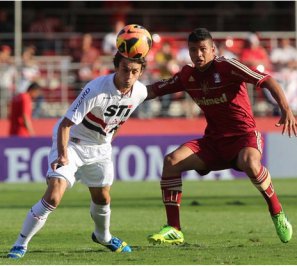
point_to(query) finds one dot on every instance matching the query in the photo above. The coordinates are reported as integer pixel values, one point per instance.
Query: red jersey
(20, 105)
(221, 92)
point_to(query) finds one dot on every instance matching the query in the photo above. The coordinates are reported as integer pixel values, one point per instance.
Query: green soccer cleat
(168, 234)
(283, 227)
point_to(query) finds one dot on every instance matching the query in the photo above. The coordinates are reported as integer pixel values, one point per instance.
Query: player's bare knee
(170, 161)
(249, 160)
(251, 166)
(101, 197)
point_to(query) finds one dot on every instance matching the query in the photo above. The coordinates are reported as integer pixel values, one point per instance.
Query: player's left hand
(289, 123)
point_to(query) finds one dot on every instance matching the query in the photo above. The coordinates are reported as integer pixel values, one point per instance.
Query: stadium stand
(57, 29)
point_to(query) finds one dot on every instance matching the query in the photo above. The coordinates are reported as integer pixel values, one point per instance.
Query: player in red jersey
(231, 140)
(21, 112)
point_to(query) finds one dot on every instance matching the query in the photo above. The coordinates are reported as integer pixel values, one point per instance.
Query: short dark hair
(199, 34)
(118, 57)
(33, 86)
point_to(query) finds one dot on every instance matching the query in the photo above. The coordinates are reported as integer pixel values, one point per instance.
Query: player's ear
(213, 49)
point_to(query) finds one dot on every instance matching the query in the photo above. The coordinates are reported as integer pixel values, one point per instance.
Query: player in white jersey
(81, 150)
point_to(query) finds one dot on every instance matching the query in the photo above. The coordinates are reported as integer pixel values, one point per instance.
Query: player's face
(127, 74)
(201, 53)
(35, 94)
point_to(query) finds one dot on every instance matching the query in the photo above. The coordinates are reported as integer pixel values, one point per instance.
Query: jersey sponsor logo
(211, 101)
(81, 99)
(121, 110)
(164, 82)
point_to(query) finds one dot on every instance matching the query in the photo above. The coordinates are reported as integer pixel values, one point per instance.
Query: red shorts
(220, 154)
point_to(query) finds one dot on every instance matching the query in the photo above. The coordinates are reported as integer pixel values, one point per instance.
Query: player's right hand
(288, 122)
(59, 162)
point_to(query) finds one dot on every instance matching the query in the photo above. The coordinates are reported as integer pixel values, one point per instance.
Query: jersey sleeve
(169, 86)
(142, 91)
(85, 101)
(242, 73)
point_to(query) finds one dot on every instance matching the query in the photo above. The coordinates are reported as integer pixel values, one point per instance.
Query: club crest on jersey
(217, 77)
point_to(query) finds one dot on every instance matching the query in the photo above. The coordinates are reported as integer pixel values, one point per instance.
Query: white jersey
(100, 109)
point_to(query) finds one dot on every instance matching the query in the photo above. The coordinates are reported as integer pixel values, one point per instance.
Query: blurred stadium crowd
(67, 43)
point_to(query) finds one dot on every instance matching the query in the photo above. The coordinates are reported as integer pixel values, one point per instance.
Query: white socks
(101, 217)
(34, 221)
(38, 214)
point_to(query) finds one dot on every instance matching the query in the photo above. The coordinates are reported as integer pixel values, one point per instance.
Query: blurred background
(63, 44)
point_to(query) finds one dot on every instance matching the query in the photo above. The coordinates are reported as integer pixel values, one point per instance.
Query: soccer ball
(134, 41)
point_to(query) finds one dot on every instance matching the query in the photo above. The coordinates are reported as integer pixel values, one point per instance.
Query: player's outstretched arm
(150, 93)
(287, 119)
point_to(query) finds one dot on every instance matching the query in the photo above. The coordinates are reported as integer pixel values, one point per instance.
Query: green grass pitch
(224, 222)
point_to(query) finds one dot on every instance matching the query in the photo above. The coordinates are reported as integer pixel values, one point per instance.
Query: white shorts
(91, 164)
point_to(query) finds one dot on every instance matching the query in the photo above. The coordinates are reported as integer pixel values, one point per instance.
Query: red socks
(263, 182)
(171, 193)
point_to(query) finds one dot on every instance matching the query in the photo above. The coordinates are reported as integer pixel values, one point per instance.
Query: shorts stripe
(259, 141)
